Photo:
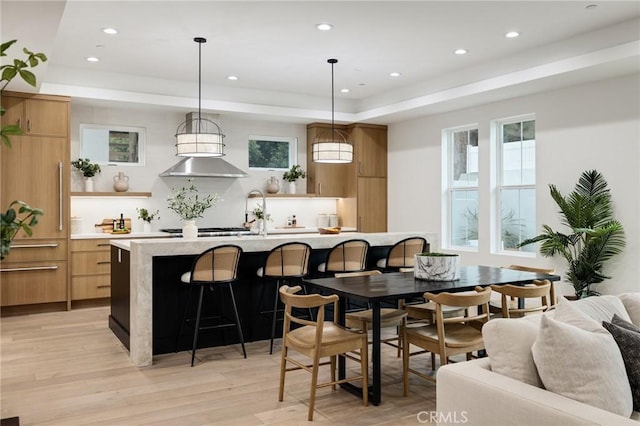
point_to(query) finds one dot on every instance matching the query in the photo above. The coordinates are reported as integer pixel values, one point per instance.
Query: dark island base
(253, 295)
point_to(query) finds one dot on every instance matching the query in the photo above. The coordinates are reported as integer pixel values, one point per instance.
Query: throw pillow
(624, 324)
(629, 344)
(508, 343)
(602, 308)
(631, 302)
(583, 366)
(569, 313)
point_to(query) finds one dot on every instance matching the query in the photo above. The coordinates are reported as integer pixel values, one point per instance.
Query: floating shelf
(298, 196)
(111, 194)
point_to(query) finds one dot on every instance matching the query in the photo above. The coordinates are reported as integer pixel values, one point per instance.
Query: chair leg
(283, 370)
(333, 371)
(197, 326)
(405, 365)
(314, 385)
(433, 361)
(238, 326)
(273, 321)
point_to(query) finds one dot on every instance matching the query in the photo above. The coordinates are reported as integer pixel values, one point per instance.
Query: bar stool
(347, 256)
(215, 267)
(288, 262)
(401, 254)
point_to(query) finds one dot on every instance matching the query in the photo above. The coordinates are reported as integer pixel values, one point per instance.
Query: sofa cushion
(582, 365)
(631, 302)
(508, 343)
(602, 308)
(629, 344)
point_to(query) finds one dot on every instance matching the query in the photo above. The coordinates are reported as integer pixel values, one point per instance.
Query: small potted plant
(261, 218)
(437, 266)
(147, 218)
(88, 170)
(189, 206)
(296, 172)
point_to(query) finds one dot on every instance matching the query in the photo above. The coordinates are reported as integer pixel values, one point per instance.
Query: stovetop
(210, 232)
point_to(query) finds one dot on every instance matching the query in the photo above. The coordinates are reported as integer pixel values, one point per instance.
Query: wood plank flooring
(67, 368)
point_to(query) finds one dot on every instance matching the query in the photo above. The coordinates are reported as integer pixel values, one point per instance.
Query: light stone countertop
(141, 269)
(107, 236)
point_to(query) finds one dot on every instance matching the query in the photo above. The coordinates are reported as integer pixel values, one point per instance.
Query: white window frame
(497, 158)
(448, 188)
(293, 150)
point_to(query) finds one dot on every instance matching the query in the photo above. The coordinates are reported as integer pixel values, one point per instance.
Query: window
(462, 186)
(516, 179)
(112, 145)
(272, 152)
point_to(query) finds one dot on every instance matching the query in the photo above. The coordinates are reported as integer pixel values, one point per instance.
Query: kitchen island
(146, 278)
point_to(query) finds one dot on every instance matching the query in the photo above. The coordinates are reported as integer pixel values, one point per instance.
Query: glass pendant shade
(199, 137)
(332, 146)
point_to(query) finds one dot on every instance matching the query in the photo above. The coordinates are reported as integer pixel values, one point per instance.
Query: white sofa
(471, 393)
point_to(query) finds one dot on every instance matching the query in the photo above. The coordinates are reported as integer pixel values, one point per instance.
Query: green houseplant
(86, 167)
(12, 222)
(146, 216)
(296, 172)
(594, 235)
(186, 203)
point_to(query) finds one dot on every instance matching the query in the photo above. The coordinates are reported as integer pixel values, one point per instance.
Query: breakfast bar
(139, 267)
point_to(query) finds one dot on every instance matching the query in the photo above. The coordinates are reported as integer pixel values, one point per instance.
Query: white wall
(160, 155)
(591, 126)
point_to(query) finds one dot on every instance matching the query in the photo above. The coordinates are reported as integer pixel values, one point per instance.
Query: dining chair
(389, 317)
(347, 256)
(448, 336)
(401, 254)
(318, 339)
(549, 271)
(510, 294)
(214, 268)
(285, 263)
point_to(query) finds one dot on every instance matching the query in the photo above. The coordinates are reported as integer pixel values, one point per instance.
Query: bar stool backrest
(218, 264)
(288, 260)
(401, 254)
(348, 256)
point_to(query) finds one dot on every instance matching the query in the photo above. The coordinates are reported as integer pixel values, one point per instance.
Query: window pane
(518, 155)
(518, 218)
(464, 218)
(268, 154)
(465, 158)
(529, 130)
(511, 132)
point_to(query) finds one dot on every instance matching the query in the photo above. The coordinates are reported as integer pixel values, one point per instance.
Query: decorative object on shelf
(273, 185)
(332, 230)
(121, 182)
(296, 172)
(199, 137)
(88, 170)
(186, 203)
(13, 221)
(333, 146)
(595, 236)
(436, 266)
(147, 218)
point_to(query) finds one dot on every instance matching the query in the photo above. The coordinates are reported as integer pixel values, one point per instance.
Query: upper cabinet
(370, 149)
(36, 115)
(324, 180)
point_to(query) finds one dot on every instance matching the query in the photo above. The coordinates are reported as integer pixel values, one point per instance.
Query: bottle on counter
(121, 222)
(115, 224)
(294, 221)
(289, 221)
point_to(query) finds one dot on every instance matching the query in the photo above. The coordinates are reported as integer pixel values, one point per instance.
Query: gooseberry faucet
(263, 231)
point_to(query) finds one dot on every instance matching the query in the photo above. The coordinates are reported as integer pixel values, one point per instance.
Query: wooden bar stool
(286, 263)
(215, 267)
(401, 254)
(347, 256)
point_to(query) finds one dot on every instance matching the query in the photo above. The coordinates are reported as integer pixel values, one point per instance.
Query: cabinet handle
(28, 125)
(60, 194)
(103, 286)
(20, 123)
(360, 167)
(103, 244)
(104, 263)
(51, 245)
(319, 189)
(33, 268)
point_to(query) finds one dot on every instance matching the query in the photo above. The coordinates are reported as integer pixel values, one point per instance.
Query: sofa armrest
(470, 391)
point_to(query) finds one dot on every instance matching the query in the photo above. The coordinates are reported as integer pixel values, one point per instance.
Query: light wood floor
(67, 368)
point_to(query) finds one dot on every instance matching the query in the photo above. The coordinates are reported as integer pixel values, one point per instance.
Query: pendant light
(332, 147)
(199, 137)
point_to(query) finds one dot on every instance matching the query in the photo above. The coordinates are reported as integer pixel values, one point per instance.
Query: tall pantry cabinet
(35, 169)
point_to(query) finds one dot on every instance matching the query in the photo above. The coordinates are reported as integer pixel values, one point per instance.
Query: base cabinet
(90, 269)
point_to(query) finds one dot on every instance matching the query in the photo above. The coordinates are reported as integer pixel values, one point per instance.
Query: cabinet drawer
(90, 263)
(98, 244)
(23, 283)
(26, 250)
(90, 287)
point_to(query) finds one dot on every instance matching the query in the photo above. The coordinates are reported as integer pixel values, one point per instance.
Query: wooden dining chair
(549, 271)
(448, 336)
(318, 339)
(510, 295)
(389, 317)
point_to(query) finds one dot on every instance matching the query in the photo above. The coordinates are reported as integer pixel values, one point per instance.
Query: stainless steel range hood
(212, 167)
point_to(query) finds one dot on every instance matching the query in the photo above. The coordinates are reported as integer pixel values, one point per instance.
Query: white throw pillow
(631, 302)
(582, 365)
(508, 343)
(569, 313)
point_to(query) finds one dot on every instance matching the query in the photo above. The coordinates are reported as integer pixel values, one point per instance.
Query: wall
(590, 126)
(160, 155)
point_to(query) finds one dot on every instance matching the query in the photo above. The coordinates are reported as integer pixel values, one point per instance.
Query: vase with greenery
(187, 204)
(19, 215)
(593, 235)
(261, 218)
(147, 217)
(292, 175)
(88, 170)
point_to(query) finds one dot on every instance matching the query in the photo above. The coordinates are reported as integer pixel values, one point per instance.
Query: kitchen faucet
(264, 210)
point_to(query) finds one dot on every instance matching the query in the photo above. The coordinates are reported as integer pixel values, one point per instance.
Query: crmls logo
(440, 417)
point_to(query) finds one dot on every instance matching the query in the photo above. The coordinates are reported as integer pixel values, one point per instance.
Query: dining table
(392, 287)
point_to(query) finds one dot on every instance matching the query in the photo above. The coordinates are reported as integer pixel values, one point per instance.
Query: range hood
(212, 167)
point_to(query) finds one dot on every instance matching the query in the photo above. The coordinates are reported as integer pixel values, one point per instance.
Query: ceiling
(280, 58)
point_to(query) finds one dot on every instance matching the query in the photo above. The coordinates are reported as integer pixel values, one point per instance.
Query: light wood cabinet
(370, 149)
(324, 180)
(36, 170)
(90, 269)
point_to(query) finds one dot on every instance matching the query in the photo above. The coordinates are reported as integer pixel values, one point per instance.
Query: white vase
(189, 230)
(436, 268)
(88, 184)
(146, 227)
(292, 187)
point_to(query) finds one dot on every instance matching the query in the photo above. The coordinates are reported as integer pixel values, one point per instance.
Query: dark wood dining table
(394, 286)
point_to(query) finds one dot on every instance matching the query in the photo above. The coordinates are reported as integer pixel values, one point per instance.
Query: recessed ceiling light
(395, 74)
(110, 31)
(460, 51)
(345, 90)
(232, 77)
(92, 59)
(512, 34)
(324, 27)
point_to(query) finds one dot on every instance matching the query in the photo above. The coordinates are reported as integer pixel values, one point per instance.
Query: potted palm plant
(292, 175)
(593, 238)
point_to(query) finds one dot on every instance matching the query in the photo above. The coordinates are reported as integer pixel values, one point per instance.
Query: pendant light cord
(199, 40)
(333, 129)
